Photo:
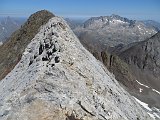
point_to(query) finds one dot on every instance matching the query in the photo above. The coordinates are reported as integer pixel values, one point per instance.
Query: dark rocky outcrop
(15, 45)
(120, 69)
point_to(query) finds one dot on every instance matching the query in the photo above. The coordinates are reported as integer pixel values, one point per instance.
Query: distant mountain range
(74, 23)
(152, 23)
(8, 25)
(109, 31)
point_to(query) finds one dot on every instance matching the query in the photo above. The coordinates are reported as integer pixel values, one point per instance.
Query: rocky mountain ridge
(152, 23)
(148, 51)
(58, 79)
(16, 44)
(144, 61)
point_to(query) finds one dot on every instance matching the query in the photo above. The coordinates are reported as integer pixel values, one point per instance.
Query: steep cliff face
(18, 41)
(145, 55)
(121, 70)
(58, 79)
(144, 61)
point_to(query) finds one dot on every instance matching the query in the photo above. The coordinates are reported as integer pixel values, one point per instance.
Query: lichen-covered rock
(58, 79)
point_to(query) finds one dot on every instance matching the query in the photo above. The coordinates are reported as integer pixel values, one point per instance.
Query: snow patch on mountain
(140, 90)
(115, 21)
(143, 104)
(142, 84)
(153, 112)
(151, 115)
(156, 91)
(1, 43)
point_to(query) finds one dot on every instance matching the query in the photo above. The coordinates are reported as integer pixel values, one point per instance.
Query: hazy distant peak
(113, 16)
(152, 23)
(116, 21)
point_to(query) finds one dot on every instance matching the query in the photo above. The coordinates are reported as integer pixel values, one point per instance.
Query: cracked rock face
(58, 79)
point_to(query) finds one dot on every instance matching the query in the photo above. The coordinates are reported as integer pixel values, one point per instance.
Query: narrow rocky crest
(58, 79)
(19, 40)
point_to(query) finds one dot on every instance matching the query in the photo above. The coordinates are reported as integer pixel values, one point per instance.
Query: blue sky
(135, 9)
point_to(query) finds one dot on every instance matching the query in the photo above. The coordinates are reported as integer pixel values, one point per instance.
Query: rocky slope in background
(144, 61)
(109, 31)
(58, 79)
(8, 25)
(152, 23)
(15, 45)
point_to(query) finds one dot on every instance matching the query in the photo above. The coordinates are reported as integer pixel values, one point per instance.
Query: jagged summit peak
(41, 13)
(115, 16)
(118, 17)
